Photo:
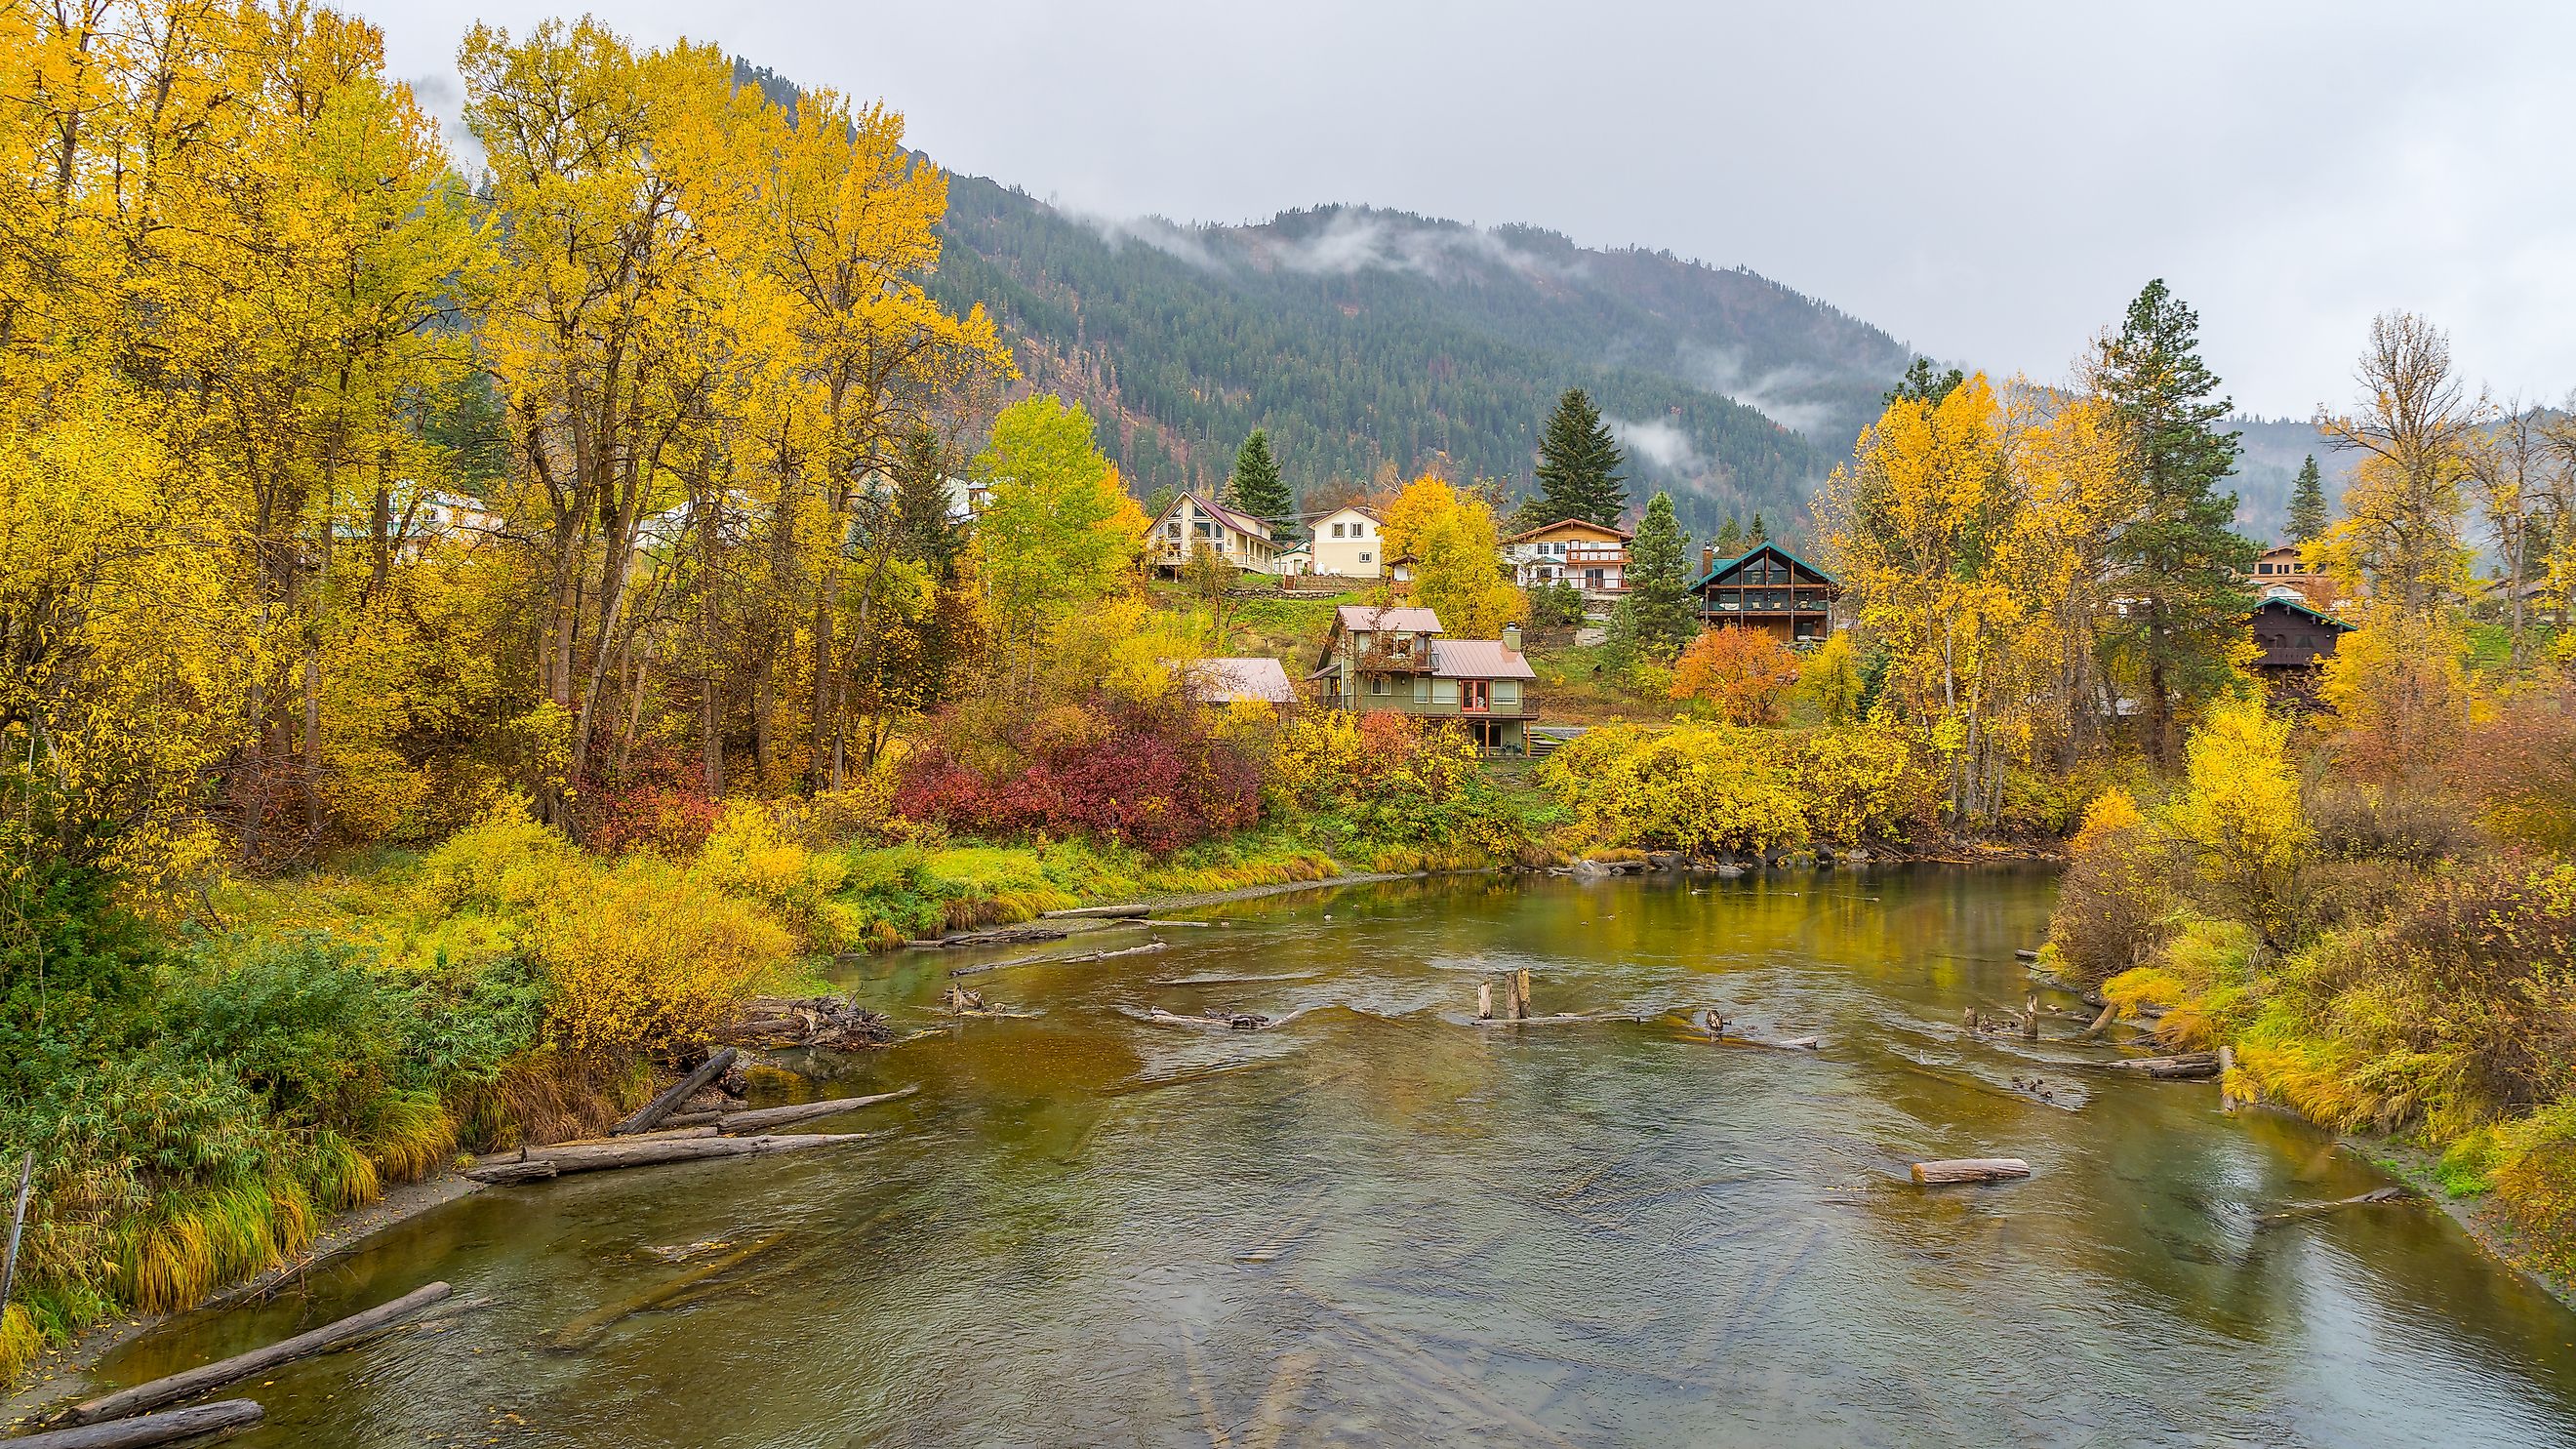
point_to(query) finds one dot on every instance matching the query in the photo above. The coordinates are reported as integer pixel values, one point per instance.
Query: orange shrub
(1743, 675)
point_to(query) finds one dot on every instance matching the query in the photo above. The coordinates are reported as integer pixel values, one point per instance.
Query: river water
(1384, 1223)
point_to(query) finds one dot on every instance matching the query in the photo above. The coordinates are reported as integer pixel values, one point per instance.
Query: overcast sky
(1989, 182)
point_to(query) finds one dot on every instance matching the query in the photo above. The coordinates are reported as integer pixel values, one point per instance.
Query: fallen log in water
(2023, 953)
(2320, 1209)
(152, 1395)
(1563, 1017)
(997, 936)
(1970, 1169)
(761, 1119)
(588, 1329)
(169, 1428)
(1060, 960)
(1101, 913)
(812, 1021)
(650, 1115)
(538, 1163)
(2184, 1066)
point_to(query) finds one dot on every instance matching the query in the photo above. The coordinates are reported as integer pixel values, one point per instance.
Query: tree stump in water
(1484, 1001)
(1521, 994)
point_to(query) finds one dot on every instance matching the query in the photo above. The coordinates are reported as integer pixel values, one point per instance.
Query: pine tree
(1256, 487)
(2308, 504)
(1756, 534)
(1578, 464)
(2175, 559)
(1729, 540)
(1655, 617)
(1921, 384)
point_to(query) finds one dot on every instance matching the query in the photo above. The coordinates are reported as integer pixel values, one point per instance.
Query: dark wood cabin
(1771, 589)
(2293, 637)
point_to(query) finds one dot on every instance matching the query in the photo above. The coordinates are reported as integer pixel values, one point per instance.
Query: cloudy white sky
(1989, 182)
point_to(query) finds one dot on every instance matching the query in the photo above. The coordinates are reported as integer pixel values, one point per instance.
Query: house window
(1365, 556)
(1476, 696)
(1337, 530)
(1377, 684)
(1592, 578)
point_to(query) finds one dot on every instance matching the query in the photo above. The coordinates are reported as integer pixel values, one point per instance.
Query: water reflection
(1384, 1223)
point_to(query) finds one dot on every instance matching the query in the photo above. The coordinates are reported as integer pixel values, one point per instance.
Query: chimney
(1707, 557)
(1512, 637)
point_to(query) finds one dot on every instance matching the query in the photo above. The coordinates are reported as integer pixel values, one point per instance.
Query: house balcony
(1386, 659)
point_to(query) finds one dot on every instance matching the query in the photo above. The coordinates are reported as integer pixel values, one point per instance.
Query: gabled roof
(1362, 509)
(1238, 521)
(1730, 565)
(1220, 681)
(1392, 618)
(2312, 615)
(1478, 659)
(1622, 534)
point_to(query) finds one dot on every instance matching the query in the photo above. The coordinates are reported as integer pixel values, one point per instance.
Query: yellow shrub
(754, 853)
(1694, 788)
(649, 958)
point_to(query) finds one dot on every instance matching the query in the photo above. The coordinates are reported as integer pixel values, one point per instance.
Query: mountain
(1363, 338)
(2268, 466)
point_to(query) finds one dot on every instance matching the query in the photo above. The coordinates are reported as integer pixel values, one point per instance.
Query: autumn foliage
(1157, 775)
(1741, 675)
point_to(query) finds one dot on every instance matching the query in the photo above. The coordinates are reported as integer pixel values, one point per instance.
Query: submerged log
(591, 1326)
(1061, 960)
(154, 1394)
(169, 1428)
(761, 1119)
(2319, 1209)
(543, 1162)
(2023, 953)
(2183, 1066)
(2101, 1023)
(1970, 1169)
(996, 936)
(651, 1113)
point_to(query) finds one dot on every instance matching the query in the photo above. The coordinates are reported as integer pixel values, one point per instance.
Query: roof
(1221, 681)
(1393, 618)
(1611, 529)
(1238, 521)
(2295, 607)
(1478, 659)
(2280, 548)
(1732, 564)
(1362, 509)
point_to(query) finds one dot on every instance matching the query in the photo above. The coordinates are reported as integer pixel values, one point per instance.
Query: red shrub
(656, 804)
(1155, 778)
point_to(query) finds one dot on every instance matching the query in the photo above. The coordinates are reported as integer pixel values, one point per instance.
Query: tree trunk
(544, 1162)
(645, 1117)
(167, 1428)
(240, 1366)
(1970, 1169)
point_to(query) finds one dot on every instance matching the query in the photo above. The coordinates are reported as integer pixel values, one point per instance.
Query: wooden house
(2294, 638)
(2280, 569)
(1190, 520)
(1591, 556)
(1391, 657)
(1771, 589)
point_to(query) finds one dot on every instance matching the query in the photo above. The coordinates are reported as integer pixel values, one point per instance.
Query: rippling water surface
(1383, 1223)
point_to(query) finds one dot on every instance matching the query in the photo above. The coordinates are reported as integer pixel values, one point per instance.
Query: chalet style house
(1593, 557)
(1238, 538)
(1768, 588)
(2281, 573)
(1348, 543)
(2294, 638)
(1390, 657)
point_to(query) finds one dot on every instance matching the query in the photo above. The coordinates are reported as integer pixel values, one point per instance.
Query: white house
(1238, 538)
(1591, 556)
(1349, 543)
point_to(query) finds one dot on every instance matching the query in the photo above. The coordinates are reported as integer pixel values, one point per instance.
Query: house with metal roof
(2294, 637)
(1394, 658)
(1232, 679)
(1768, 588)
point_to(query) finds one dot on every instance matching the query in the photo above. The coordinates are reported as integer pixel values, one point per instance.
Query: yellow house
(1348, 543)
(1189, 520)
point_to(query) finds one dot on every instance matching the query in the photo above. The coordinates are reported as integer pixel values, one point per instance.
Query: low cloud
(1774, 394)
(1187, 243)
(1659, 442)
(1357, 241)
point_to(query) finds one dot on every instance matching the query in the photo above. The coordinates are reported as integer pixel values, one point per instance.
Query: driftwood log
(153, 1394)
(1060, 960)
(2101, 1023)
(998, 936)
(1970, 1169)
(169, 1428)
(2183, 1067)
(538, 1163)
(1102, 913)
(2024, 953)
(2319, 1209)
(810, 1021)
(761, 1119)
(650, 1115)
(587, 1329)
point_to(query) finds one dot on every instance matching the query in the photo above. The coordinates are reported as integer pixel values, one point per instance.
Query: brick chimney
(1707, 557)
(1512, 637)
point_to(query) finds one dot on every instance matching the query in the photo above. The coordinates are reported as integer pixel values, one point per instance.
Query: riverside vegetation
(448, 671)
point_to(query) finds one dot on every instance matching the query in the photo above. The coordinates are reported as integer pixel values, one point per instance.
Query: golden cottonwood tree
(1451, 536)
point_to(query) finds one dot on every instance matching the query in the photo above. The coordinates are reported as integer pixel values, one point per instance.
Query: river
(1383, 1223)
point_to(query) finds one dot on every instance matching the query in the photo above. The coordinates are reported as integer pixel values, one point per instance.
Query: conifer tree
(1655, 616)
(1729, 540)
(1256, 487)
(1921, 384)
(2308, 504)
(2175, 558)
(1757, 533)
(1578, 464)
